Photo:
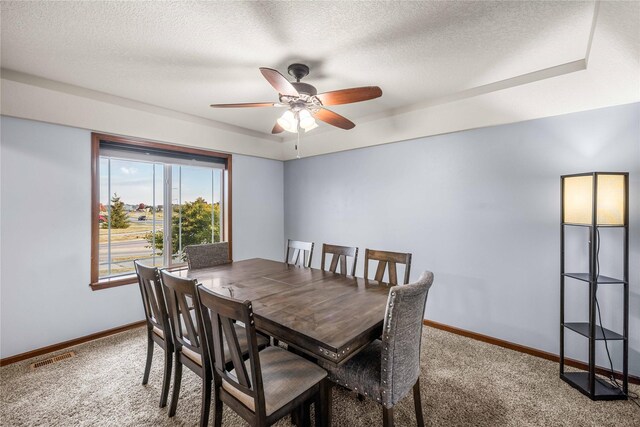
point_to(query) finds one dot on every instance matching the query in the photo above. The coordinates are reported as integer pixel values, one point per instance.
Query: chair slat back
(387, 259)
(218, 315)
(207, 255)
(153, 299)
(181, 297)
(339, 256)
(299, 253)
(401, 337)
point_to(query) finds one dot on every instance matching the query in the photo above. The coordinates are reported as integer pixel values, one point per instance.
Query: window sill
(129, 279)
(113, 282)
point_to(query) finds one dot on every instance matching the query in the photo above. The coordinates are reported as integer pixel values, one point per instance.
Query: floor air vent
(51, 360)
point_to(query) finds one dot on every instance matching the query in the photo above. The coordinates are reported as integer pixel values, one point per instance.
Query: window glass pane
(217, 205)
(155, 220)
(158, 218)
(137, 208)
(195, 208)
(127, 234)
(103, 215)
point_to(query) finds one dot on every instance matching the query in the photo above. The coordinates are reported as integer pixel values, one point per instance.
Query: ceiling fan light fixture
(307, 122)
(289, 122)
(312, 127)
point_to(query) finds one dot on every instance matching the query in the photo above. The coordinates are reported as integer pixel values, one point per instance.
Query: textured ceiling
(185, 56)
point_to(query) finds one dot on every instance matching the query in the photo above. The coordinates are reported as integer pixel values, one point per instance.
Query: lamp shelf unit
(582, 328)
(601, 280)
(602, 390)
(571, 224)
(595, 200)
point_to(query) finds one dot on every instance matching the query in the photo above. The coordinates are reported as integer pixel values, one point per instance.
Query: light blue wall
(481, 210)
(45, 236)
(258, 208)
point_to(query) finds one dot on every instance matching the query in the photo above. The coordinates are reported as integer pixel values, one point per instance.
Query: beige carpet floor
(464, 383)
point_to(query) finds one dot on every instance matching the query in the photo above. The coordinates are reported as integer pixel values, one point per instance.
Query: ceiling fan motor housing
(298, 71)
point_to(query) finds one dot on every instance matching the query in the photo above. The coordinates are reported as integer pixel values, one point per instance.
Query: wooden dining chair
(186, 324)
(183, 312)
(271, 384)
(339, 254)
(386, 370)
(158, 325)
(299, 253)
(207, 255)
(390, 259)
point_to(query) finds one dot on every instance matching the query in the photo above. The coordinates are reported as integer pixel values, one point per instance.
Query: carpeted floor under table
(464, 383)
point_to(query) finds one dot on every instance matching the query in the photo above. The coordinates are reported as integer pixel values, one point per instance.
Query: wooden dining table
(328, 316)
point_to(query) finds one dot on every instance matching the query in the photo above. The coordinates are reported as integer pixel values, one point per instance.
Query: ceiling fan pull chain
(298, 143)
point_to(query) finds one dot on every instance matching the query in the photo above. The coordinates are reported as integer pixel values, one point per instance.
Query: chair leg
(387, 417)
(317, 405)
(166, 379)
(326, 404)
(304, 419)
(177, 379)
(217, 407)
(206, 400)
(418, 403)
(295, 416)
(147, 368)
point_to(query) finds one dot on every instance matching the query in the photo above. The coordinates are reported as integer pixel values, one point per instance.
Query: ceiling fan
(303, 102)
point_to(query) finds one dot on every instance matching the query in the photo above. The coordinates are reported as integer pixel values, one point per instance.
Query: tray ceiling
(185, 56)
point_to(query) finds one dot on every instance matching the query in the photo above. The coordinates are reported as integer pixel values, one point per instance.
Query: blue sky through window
(133, 182)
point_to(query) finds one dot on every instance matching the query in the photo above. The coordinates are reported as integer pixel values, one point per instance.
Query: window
(150, 201)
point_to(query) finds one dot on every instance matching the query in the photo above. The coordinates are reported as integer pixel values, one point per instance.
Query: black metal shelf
(583, 329)
(590, 225)
(603, 390)
(602, 280)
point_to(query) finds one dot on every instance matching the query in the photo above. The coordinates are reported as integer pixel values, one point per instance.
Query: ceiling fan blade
(334, 119)
(347, 96)
(277, 129)
(248, 104)
(279, 82)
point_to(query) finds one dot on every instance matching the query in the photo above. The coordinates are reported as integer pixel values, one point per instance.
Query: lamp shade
(578, 198)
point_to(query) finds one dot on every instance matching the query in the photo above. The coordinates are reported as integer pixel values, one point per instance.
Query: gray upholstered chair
(207, 255)
(387, 369)
(268, 386)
